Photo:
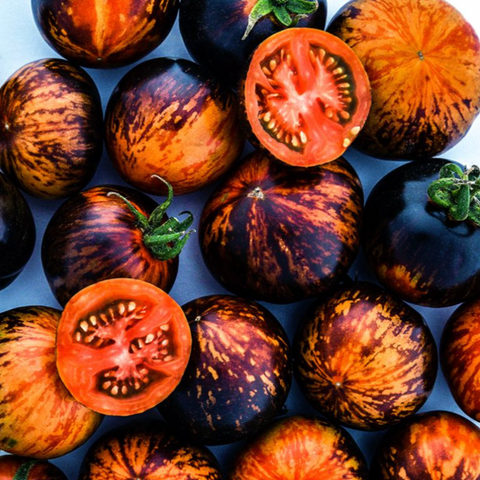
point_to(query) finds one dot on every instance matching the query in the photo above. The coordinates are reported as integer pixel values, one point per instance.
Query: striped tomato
(365, 358)
(50, 128)
(239, 373)
(301, 447)
(38, 416)
(14, 467)
(171, 118)
(147, 452)
(279, 233)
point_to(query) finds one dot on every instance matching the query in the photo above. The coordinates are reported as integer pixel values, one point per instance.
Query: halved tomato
(306, 96)
(122, 346)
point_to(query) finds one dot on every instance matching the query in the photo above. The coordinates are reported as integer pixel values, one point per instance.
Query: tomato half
(306, 96)
(122, 346)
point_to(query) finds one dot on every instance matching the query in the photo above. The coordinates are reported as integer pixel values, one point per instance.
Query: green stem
(458, 191)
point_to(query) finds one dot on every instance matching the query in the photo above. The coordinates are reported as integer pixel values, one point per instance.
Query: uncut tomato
(14, 467)
(429, 446)
(306, 96)
(279, 233)
(301, 448)
(104, 34)
(95, 235)
(423, 61)
(38, 416)
(122, 346)
(220, 35)
(364, 358)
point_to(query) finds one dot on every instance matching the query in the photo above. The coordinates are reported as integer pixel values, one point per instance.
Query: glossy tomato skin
(50, 128)
(14, 467)
(460, 353)
(300, 446)
(106, 34)
(213, 29)
(364, 358)
(170, 118)
(305, 96)
(239, 373)
(411, 245)
(38, 416)
(279, 233)
(436, 444)
(411, 47)
(147, 451)
(94, 236)
(122, 346)
(17, 232)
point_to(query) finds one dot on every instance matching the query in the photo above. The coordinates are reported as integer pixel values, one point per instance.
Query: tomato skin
(213, 29)
(122, 346)
(13, 467)
(300, 447)
(364, 358)
(405, 235)
(17, 232)
(170, 118)
(308, 220)
(436, 444)
(38, 416)
(239, 373)
(459, 353)
(147, 451)
(130, 29)
(50, 128)
(94, 236)
(409, 47)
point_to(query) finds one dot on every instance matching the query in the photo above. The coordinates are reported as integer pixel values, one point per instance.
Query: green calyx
(164, 238)
(286, 12)
(24, 470)
(458, 191)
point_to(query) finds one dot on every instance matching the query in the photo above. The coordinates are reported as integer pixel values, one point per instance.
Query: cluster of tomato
(283, 224)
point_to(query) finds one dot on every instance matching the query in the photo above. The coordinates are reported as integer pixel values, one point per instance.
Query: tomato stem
(458, 191)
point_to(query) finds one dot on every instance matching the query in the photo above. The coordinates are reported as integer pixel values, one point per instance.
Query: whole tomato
(14, 467)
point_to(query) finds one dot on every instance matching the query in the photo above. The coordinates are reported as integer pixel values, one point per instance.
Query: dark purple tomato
(365, 358)
(148, 452)
(96, 236)
(239, 373)
(413, 246)
(14, 467)
(17, 232)
(214, 30)
(280, 233)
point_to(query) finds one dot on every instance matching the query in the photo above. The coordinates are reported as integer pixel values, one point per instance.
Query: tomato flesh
(122, 346)
(307, 96)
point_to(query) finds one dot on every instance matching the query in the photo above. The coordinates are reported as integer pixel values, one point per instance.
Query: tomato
(13, 467)
(306, 96)
(460, 354)
(364, 358)
(38, 416)
(122, 346)
(106, 34)
(300, 447)
(50, 128)
(413, 246)
(171, 118)
(17, 232)
(279, 233)
(423, 61)
(239, 373)
(215, 31)
(430, 446)
(148, 452)
(95, 235)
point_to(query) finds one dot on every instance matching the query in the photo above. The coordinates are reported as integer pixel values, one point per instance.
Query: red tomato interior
(307, 96)
(122, 346)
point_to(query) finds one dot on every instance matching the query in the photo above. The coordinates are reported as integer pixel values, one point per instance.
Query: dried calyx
(458, 191)
(286, 12)
(164, 238)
